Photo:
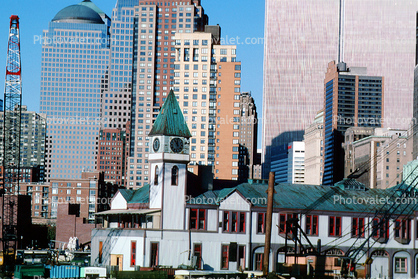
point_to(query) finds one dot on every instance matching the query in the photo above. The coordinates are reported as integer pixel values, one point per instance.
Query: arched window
(156, 175)
(174, 176)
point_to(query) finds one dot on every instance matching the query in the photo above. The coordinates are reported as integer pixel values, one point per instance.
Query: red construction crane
(11, 145)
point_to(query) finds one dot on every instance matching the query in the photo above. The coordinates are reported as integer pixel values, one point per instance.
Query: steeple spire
(170, 120)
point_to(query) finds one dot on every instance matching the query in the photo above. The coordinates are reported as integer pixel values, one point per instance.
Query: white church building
(224, 230)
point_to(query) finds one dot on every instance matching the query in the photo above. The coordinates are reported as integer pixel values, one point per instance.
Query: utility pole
(269, 215)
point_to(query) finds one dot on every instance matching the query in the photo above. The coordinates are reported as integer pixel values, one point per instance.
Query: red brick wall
(71, 226)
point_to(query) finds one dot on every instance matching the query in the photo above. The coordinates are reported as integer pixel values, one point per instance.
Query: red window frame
(133, 253)
(241, 228)
(357, 227)
(234, 222)
(259, 261)
(261, 222)
(225, 257)
(197, 251)
(334, 228)
(202, 219)
(311, 224)
(197, 219)
(283, 217)
(226, 221)
(100, 251)
(383, 231)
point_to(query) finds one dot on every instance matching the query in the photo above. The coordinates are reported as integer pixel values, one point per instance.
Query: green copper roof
(92, 6)
(170, 120)
(140, 195)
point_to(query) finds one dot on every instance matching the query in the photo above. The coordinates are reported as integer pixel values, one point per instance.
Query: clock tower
(169, 156)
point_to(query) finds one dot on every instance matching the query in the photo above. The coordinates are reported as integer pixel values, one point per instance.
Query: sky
(242, 24)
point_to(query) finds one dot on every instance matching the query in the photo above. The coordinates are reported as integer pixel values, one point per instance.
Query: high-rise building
(377, 160)
(352, 99)
(33, 136)
(113, 153)
(248, 137)
(207, 79)
(142, 69)
(302, 36)
(75, 55)
(288, 163)
(415, 109)
(314, 150)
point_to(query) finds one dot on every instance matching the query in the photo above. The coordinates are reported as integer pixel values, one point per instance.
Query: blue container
(65, 271)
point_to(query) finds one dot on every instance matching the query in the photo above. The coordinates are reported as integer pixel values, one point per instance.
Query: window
(380, 228)
(402, 229)
(259, 261)
(100, 251)
(401, 265)
(156, 176)
(154, 254)
(261, 222)
(311, 224)
(226, 221)
(334, 226)
(133, 253)
(234, 222)
(197, 219)
(225, 257)
(282, 221)
(174, 176)
(357, 227)
(197, 252)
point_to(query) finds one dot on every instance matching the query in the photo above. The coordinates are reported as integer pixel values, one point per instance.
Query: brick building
(112, 154)
(91, 192)
(70, 223)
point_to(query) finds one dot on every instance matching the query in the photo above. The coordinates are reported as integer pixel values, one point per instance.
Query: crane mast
(11, 145)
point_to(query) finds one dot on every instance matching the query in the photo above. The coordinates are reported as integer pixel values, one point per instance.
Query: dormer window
(174, 176)
(156, 175)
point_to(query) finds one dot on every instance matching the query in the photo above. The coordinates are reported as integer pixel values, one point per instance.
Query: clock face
(156, 145)
(176, 145)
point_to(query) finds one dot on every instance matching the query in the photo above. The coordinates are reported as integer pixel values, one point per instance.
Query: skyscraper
(141, 69)
(207, 79)
(301, 37)
(352, 99)
(75, 55)
(248, 136)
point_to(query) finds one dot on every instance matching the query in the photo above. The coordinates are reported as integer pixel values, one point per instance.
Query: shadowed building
(352, 99)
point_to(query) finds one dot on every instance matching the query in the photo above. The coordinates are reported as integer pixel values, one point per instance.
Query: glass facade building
(301, 37)
(352, 99)
(75, 55)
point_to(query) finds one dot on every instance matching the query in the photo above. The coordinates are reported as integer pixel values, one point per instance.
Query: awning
(127, 211)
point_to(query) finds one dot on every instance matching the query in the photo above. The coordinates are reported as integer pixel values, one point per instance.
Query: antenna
(341, 33)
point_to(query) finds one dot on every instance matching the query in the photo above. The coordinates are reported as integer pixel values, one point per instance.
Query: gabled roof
(170, 120)
(126, 194)
(140, 195)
